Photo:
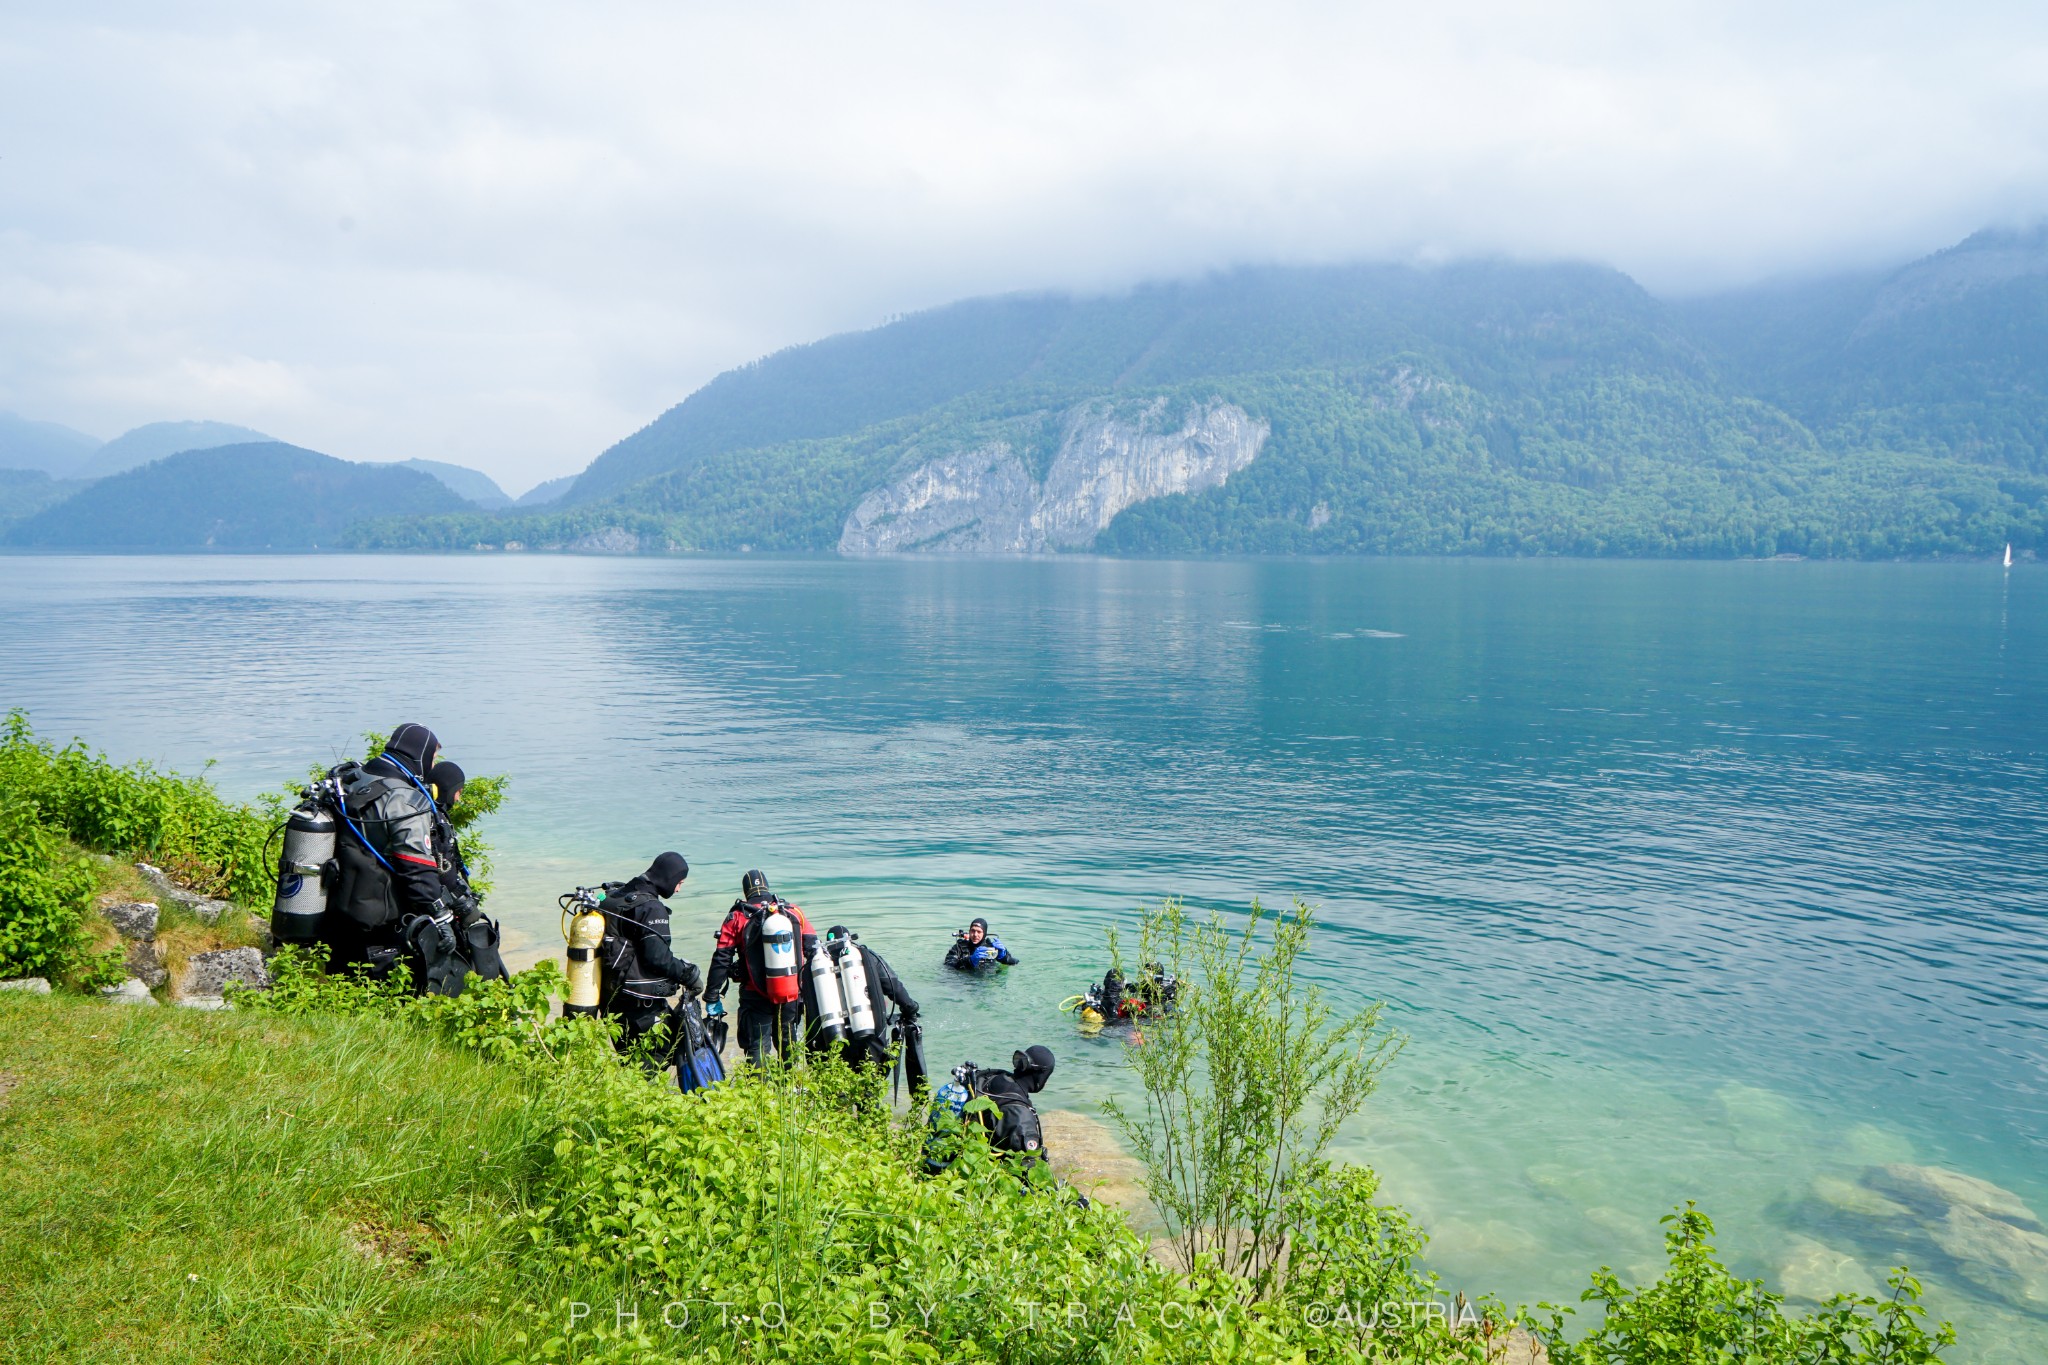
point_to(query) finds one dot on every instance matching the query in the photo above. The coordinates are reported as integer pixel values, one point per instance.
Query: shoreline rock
(129, 992)
(34, 985)
(206, 975)
(205, 909)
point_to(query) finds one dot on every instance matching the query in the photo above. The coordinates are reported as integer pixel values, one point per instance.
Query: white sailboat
(2008, 554)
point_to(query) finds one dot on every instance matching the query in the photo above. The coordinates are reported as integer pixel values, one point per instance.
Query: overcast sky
(508, 234)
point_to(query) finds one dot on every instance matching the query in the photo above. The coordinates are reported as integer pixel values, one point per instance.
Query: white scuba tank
(301, 890)
(831, 1004)
(778, 956)
(853, 977)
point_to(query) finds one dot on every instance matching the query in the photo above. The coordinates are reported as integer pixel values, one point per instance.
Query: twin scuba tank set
(840, 980)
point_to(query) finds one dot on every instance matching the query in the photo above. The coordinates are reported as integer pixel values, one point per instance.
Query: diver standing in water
(763, 943)
(847, 994)
(640, 970)
(977, 947)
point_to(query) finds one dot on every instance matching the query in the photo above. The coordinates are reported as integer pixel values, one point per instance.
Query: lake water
(1697, 881)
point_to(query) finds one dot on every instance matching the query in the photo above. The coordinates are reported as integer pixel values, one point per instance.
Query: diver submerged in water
(1117, 1001)
(976, 947)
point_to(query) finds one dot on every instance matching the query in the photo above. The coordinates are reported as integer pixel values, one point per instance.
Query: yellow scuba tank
(584, 931)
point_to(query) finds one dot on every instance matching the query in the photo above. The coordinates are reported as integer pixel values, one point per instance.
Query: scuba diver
(638, 968)
(1117, 1001)
(768, 939)
(847, 994)
(1013, 1129)
(389, 895)
(476, 948)
(976, 947)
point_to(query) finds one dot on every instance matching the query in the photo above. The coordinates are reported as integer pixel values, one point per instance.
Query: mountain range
(1480, 407)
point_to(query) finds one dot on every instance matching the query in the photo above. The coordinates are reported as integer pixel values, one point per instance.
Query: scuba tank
(860, 1012)
(778, 956)
(831, 1004)
(302, 869)
(584, 932)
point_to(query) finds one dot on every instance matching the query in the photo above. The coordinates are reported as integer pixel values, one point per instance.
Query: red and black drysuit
(764, 1026)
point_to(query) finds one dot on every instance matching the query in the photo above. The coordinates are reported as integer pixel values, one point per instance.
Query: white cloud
(508, 234)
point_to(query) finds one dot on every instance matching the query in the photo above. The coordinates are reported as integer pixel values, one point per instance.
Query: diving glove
(444, 930)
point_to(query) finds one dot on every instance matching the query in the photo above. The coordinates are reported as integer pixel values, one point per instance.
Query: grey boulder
(145, 965)
(129, 992)
(208, 974)
(135, 919)
(203, 908)
(34, 985)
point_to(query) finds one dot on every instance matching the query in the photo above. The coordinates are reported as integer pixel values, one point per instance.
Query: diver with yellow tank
(622, 964)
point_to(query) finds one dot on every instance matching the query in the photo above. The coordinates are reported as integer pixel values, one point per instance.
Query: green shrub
(1699, 1312)
(43, 896)
(180, 823)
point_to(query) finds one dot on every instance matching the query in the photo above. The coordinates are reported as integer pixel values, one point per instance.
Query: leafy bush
(179, 823)
(1699, 1312)
(43, 895)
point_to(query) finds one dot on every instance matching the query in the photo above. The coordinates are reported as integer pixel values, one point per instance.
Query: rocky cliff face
(986, 501)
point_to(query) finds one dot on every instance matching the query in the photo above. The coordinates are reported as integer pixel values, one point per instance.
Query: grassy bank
(185, 1186)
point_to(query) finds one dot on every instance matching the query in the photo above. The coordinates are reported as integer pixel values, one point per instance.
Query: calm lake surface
(1699, 881)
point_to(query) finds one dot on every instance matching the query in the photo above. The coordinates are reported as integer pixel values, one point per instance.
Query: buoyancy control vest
(365, 803)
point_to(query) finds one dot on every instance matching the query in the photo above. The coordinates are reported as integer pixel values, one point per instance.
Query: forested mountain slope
(1476, 408)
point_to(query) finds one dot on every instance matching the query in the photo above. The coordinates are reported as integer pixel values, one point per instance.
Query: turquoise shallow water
(1686, 880)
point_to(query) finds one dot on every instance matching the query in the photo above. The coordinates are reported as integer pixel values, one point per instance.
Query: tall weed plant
(1246, 1082)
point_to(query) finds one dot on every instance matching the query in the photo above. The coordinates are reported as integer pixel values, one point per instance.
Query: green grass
(187, 1186)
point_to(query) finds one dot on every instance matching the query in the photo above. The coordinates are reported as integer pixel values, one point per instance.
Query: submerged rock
(1084, 1152)
(129, 992)
(1932, 1191)
(1813, 1272)
(208, 974)
(1763, 1120)
(1846, 1196)
(34, 985)
(133, 919)
(1996, 1256)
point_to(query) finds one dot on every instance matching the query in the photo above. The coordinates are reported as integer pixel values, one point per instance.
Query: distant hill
(55, 450)
(257, 496)
(543, 493)
(1948, 355)
(469, 484)
(1476, 408)
(158, 439)
(24, 492)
